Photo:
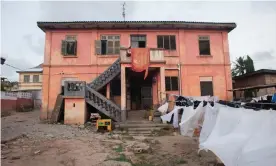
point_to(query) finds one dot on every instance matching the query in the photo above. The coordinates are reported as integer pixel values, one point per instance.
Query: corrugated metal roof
(261, 71)
(36, 69)
(45, 25)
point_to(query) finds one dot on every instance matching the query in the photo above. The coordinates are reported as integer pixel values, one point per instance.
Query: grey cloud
(36, 46)
(264, 55)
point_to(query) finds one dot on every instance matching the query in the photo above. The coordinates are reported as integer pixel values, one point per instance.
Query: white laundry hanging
(210, 117)
(168, 116)
(231, 135)
(190, 121)
(163, 108)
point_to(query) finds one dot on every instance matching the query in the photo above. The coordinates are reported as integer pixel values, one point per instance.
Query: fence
(19, 101)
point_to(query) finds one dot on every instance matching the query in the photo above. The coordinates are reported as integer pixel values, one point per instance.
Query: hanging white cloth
(168, 116)
(210, 117)
(163, 108)
(190, 121)
(236, 138)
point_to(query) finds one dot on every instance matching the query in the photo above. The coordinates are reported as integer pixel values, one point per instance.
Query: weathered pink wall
(87, 66)
(74, 111)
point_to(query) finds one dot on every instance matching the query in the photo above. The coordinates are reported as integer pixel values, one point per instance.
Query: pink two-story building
(187, 58)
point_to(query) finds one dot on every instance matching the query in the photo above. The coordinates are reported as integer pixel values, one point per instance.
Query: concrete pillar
(108, 91)
(162, 81)
(123, 93)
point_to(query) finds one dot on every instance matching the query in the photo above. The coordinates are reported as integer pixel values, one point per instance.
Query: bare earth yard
(25, 141)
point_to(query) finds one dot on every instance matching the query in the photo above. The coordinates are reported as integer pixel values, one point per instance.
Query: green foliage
(119, 148)
(243, 66)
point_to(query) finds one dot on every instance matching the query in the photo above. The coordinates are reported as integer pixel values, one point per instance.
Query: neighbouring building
(30, 80)
(187, 58)
(257, 78)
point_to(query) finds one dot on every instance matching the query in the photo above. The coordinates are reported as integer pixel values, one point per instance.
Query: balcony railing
(156, 55)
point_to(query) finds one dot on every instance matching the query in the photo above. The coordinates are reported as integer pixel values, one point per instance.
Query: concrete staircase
(142, 128)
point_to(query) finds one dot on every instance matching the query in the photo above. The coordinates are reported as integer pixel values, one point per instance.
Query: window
(171, 83)
(206, 86)
(26, 78)
(204, 45)
(166, 42)
(35, 78)
(69, 46)
(109, 44)
(138, 41)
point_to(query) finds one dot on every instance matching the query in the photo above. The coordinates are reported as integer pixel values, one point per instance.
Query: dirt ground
(25, 141)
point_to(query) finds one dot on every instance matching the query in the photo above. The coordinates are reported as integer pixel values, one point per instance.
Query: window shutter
(110, 47)
(98, 47)
(75, 47)
(63, 47)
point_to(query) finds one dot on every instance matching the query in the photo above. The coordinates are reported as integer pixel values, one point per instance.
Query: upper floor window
(167, 42)
(138, 41)
(26, 78)
(171, 83)
(204, 45)
(109, 44)
(35, 78)
(69, 46)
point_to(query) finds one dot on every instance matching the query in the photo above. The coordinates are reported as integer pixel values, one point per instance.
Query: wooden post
(162, 81)
(108, 91)
(123, 94)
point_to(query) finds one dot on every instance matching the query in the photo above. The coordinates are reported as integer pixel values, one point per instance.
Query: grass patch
(122, 158)
(119, 149)
(180, 161)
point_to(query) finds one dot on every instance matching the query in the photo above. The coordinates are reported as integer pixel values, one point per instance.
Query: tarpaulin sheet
(140, 60)
(243, 137)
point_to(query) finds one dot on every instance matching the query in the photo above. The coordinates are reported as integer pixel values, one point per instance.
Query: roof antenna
(124, 13)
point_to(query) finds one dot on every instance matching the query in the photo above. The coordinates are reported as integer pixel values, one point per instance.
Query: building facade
(30, 79)
(187, 58)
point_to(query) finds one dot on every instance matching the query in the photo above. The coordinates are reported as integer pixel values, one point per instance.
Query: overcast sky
(22, 42)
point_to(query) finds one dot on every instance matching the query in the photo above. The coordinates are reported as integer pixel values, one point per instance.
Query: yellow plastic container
(104, 124)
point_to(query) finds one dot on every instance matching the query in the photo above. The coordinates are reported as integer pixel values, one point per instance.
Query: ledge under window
(205, 56)
(70, 56)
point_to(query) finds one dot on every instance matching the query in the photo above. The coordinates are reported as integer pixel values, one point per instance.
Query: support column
(108, 91)
(162, 80)
(123, 93)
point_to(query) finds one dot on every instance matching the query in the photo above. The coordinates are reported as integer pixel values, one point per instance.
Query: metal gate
(146, 97)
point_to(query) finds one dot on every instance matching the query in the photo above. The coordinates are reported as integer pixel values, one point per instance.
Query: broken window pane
(160, 43)
(168, 83)
(172, 43)
(111, 45)
(167, 42)
(174, 83)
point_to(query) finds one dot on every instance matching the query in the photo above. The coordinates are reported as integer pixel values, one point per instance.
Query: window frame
(37, 78)
(170, 82)
(206, 81)
(28, 80)
(163, 43)
(106, 38)
(64, 49)
(204, 38)
(138, 35)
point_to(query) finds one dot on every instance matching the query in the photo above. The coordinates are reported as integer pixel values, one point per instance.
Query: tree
(243, 66)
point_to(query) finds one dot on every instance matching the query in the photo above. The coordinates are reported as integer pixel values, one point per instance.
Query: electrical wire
(12, 66)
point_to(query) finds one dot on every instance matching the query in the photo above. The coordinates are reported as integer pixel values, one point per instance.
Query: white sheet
(210, 117)
(163, 108)
(243, 137)
(168, 116)
(190, 120)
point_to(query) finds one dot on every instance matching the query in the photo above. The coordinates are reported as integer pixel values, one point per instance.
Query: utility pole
(124, 13)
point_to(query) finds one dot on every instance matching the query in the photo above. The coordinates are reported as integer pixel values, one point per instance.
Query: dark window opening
(69, 46)
(167, 42)
(206, 88)
(204, 45)
(115, 87)
(171, 83)
(138, 41)
(35, 78)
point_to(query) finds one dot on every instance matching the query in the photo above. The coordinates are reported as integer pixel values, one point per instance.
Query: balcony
(156, 56)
